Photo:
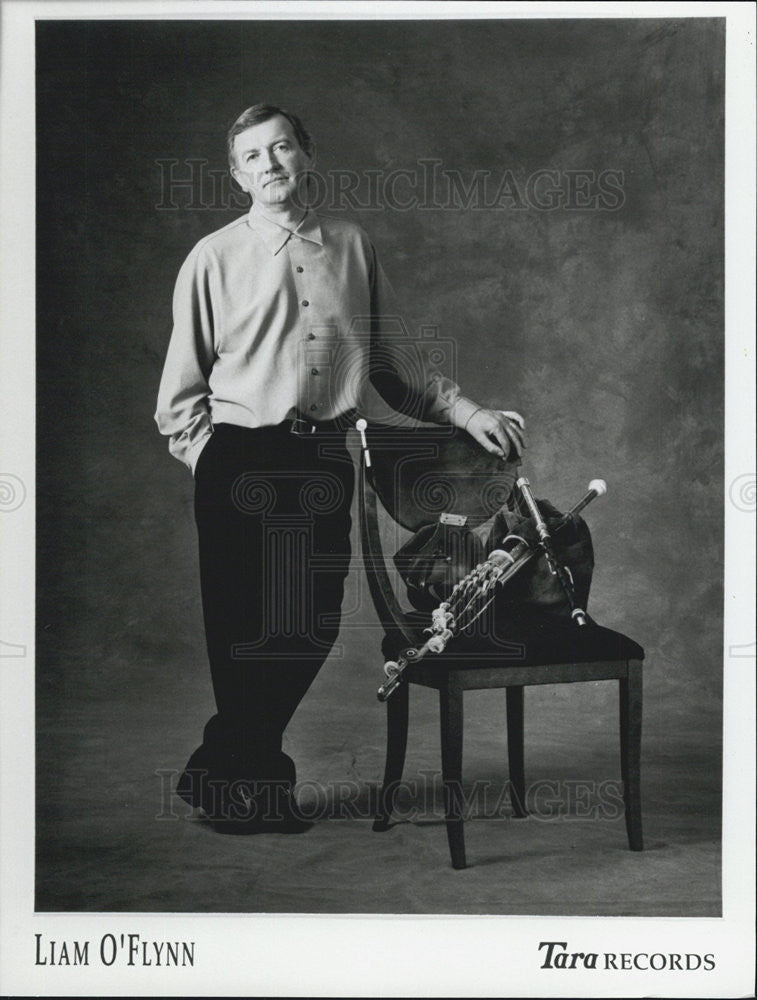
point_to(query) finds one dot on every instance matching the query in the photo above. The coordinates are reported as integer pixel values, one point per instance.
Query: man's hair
(260, 113)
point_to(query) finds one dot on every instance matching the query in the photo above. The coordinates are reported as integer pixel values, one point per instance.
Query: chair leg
(515, 754)
(451, 714)
(396, 746)
(630, 751)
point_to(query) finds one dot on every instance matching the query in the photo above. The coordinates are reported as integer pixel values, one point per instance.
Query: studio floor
(112, 837)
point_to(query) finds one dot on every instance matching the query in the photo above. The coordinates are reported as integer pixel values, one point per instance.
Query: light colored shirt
(269, 322)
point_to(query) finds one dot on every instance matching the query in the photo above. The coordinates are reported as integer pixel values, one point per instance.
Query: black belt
(303, 427)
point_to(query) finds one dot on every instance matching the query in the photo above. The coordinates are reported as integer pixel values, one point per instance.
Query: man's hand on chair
(498, 431)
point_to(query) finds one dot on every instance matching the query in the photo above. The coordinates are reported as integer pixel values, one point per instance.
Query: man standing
(265, 365)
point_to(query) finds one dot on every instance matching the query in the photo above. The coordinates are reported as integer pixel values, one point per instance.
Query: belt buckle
(302, 428)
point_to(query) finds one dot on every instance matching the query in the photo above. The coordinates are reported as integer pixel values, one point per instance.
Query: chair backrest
(418, 474)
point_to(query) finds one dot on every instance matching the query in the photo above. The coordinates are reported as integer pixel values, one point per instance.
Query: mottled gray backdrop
(602, 325)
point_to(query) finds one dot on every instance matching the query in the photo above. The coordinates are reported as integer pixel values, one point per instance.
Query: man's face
(269, 162)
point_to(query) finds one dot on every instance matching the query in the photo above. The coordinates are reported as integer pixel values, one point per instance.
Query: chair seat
(528, 641)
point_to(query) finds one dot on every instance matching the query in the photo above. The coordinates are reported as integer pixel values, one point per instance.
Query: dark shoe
(287, 822)
(214, 771)
(238, 827)
(291, 825)
(251, 808)
(288, 818)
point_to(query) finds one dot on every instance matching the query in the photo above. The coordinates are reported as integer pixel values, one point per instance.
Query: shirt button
(305, 302)
(300, 270)
(313, 407)
(314, 371)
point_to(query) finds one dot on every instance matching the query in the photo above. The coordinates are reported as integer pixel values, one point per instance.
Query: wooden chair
(415, 475)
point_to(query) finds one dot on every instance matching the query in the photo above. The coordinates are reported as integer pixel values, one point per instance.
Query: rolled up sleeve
(182, 412)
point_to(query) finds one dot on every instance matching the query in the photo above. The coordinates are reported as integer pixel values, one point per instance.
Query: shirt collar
(275, 235)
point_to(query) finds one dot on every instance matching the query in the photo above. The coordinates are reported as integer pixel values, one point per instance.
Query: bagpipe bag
(439, 555)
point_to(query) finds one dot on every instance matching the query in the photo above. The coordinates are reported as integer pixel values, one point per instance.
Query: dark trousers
(273, 520)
